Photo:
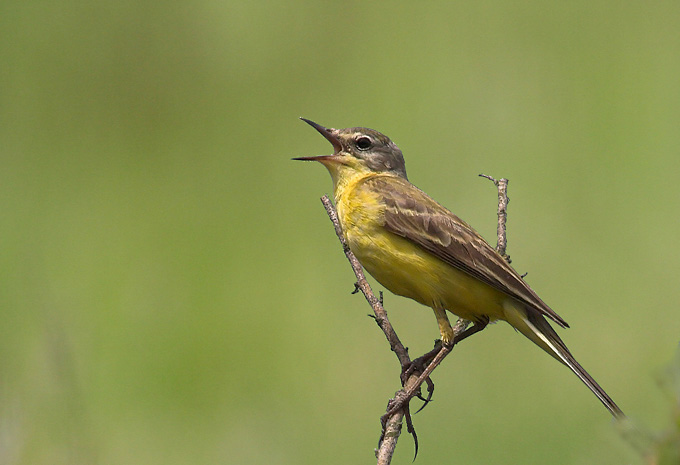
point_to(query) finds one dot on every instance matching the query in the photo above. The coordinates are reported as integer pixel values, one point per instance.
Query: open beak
(330, 134)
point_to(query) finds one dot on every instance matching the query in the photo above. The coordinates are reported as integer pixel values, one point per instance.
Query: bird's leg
(420, 363)
(445, 328)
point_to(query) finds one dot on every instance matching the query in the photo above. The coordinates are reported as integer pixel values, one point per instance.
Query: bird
(418, 249)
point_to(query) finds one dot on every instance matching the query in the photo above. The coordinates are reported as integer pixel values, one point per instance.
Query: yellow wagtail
(416, 248)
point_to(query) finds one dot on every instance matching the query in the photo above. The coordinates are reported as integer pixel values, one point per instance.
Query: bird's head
(358, 150)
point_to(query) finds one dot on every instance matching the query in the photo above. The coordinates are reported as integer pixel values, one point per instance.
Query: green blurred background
(172, 291)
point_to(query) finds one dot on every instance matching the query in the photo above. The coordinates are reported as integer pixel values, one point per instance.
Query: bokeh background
(172, 291)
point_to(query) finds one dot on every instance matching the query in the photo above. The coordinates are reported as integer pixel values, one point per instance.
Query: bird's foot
(418, 366)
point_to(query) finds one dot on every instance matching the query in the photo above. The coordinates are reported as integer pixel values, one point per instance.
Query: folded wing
(413, 215)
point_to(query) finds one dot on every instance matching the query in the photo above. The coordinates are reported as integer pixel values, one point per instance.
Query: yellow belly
(408, 270)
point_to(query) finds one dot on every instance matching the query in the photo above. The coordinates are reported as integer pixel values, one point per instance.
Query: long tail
(536, 328)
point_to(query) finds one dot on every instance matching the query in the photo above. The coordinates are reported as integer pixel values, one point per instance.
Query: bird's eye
(364, 143)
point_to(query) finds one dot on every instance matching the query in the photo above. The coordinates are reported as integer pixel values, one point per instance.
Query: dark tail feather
(561, 353)
(592, 384)
(538, 330)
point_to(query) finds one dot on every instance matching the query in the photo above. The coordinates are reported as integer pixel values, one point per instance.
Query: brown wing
(413, 215)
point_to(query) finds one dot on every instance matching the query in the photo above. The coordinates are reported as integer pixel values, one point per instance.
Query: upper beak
(328, 133)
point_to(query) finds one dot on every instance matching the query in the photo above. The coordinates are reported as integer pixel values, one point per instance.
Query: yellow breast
(403, 267)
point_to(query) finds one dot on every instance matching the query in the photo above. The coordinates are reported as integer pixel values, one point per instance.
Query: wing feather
(413, 215)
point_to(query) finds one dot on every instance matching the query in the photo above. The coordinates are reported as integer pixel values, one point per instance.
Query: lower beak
(318, 158)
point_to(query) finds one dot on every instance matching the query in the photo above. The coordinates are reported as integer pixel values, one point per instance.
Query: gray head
(372, 149)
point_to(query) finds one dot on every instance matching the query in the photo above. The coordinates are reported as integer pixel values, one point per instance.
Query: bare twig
(391, 430)
(502, 186)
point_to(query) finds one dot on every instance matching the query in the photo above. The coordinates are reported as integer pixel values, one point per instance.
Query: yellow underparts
(403, 267)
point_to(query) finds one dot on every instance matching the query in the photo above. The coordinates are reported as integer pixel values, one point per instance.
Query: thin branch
(502, 186)
(391, 431)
